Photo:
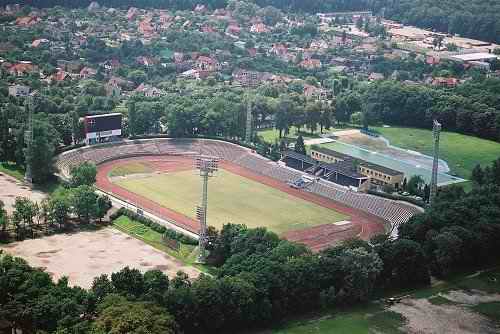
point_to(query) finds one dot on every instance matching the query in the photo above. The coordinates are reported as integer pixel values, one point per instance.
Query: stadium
(158, 177)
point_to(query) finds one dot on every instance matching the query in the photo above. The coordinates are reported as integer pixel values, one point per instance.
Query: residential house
(310, 64)
(206, 28)
(233, 29)
(251, 78)
(145, 28)
(445, 82)
(432, 60)
(112, 90)
(22, 68)
(19, 90)
(132, 13)
(149, 91)
(87, 72)
(207, 64)
(145, 61)
(27, 21)
(73, 66)
(374, 76)
(178, 57)
(259, 28)
(200, 8)
(38, 42)
(120, 82)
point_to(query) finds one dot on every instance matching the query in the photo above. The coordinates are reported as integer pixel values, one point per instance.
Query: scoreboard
(99, 128)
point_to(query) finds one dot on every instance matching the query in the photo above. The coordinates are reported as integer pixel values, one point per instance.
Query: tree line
(472, 108)
(76, 202)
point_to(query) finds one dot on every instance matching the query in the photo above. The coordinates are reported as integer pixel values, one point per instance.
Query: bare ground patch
(85, 255)
(10, 188)
(424, 317)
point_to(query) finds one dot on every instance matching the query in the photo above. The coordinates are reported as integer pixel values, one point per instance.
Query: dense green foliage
(472, 108)
(461, 229)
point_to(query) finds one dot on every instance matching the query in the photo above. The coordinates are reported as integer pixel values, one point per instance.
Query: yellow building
(379, 175)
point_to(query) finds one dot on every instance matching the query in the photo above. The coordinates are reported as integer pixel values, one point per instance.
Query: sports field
(232, 199)
(462, 152)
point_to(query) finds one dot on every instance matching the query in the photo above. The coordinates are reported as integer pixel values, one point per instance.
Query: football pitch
(232, 199)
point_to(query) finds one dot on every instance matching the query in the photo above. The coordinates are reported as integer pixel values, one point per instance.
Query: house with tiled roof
(27, 21)
(205, 63)
(259, 28)
(87, 72)
(22, 68)
(310, 64)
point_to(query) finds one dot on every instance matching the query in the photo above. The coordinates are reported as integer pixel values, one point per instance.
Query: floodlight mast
(28, 136)
(436, 130)
(207, 167)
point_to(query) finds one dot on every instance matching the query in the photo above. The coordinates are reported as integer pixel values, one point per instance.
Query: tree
(84, 174)
(102, 206)
(119, 316)
(4, 220)
(58, 211)
(132, 119)
(23, 216)
(128, 282)
(84, 202)
(415, 185)
(41, 153)
(299, 146)
(405, 264)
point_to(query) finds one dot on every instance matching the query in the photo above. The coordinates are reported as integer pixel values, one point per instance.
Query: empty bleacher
(389, 210)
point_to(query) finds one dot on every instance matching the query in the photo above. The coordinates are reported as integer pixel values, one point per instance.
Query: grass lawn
(130, 168)
(186, 254)
(232, 199)
(12, 169)
(461, 152)
(359, 320)
(490, 310)
(271, 135)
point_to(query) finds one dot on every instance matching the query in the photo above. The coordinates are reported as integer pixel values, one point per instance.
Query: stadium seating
(392, 211)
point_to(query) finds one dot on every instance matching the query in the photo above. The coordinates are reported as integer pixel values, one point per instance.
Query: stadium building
(343, 169)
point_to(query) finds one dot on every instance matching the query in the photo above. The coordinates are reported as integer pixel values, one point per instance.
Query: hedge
(170, 233)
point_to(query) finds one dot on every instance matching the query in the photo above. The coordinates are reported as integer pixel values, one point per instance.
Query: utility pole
(28, 137)
(436, 130)
(248, 129)
(207, 167)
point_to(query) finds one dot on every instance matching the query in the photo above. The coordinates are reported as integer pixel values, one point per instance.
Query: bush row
(170, 233)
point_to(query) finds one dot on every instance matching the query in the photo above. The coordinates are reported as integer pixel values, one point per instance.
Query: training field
(85, 255)
(232, 199)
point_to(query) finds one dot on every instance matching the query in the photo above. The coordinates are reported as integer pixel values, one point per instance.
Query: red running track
(363, 225)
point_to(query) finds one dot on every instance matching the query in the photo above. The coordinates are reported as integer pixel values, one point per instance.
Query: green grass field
(130, 168)
(461, 152)
(370, 318)
(232, 199)
(154, 239)
(271, 135)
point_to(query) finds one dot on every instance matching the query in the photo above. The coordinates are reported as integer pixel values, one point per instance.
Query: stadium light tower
(436, 130)
(248, 128)
(28, 137)
(207, 167)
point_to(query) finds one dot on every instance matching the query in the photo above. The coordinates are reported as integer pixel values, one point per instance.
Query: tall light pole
(248, 128)
(207, 167)
(28, 137)
(436, 130)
